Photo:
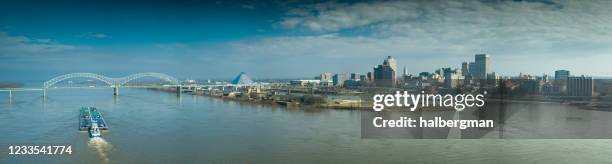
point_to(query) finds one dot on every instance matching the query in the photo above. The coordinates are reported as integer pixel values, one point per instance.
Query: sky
(292, 39)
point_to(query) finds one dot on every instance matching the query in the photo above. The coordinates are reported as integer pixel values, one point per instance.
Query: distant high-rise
(561, 75)
(465, 69)
(391, 63)
(482, 64)
(405, 71)
(451, 77)
(384, 75)
(354, 76)
(339, 79)
(325, 76)
(560, 83)
(580, 86)
(471, 67)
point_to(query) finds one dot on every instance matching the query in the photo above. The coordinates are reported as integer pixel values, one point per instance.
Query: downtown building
(560, 82)
(385, 74)
(339, 79)
(482, 66)
(579, 86)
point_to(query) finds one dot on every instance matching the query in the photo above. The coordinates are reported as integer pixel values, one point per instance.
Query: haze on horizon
(202, 39)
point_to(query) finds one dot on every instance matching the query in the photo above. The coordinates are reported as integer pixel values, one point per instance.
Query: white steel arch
(49, 83)
(116, 82)
(167, 78)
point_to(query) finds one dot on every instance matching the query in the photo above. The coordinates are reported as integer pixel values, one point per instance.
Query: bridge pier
(44, 92)
(179, 90)
(10, 94)
(116, 91)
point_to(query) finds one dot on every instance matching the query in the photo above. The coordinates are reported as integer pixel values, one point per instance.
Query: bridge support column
(116, 91)
(44, 92)
(179, 90)
(10, 94)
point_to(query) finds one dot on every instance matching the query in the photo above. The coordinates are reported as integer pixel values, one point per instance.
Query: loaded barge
(90, 119)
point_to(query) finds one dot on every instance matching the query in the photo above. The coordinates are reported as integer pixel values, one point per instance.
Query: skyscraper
(354, 76)
(560, 82)
(465, 69)
(561, 75)
(325, 76)
(384, 75)
(391, 63)
(471, 67)
(339, 79)
(482, 64)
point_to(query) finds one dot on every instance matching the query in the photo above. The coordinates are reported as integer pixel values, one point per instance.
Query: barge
(88, 116)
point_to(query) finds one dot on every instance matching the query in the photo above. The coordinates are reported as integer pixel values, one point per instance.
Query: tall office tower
(482, 62)
(354, 76)
(471, 67)
(384, 75)
(325, 76)
(561, 75)
(465, 69)
(405, 71)
(560, 83)
(390, 61)
(580, 86)
(339, 79)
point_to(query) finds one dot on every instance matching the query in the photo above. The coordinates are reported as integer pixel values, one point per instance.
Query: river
(159, 127)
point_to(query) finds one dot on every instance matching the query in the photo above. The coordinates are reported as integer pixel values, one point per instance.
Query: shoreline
(345, 104)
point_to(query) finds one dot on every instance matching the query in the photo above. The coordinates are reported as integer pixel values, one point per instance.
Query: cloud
(92, 35)
(333, 16)
(540, 34)
(248, 6)
(22, 45)
(172, 46)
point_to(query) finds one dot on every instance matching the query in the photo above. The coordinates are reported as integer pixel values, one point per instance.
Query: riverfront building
(580, 86)
(339, 79)
(562, 75)
(560, 83)
(325, 76)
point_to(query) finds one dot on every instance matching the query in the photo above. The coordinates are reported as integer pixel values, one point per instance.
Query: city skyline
(299, 39)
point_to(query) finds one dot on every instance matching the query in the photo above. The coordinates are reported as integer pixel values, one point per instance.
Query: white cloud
(335, 16)
(450, 30)
(248, 6)
(92, 35)
(172, 46)
(21, 45)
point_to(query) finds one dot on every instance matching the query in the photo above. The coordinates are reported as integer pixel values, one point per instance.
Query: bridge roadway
(179, 88)
(116, 83)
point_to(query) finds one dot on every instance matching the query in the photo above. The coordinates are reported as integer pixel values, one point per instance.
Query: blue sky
(208, 39)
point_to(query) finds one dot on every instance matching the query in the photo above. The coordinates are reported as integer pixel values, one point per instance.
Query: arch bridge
(115, 83)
